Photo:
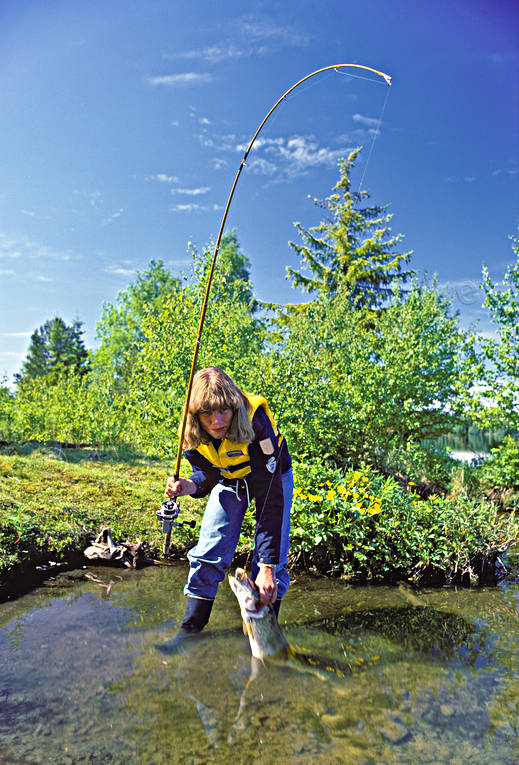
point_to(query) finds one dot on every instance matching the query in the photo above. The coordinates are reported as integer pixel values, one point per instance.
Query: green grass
(53, 501)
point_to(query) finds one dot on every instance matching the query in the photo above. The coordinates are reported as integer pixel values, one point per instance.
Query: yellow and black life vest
(233, 459)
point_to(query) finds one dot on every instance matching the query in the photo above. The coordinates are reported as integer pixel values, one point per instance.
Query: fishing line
(358, 77)
(375, 136)
(377, 131)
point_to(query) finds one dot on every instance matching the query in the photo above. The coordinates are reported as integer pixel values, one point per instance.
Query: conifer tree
(53, 347)
(352, 250)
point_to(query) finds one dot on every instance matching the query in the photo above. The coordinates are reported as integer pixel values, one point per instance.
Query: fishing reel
(167, 516)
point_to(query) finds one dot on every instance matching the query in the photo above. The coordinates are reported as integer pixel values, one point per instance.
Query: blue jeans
(219, 535)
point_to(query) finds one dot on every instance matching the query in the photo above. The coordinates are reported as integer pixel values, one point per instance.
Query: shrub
(499, 475)
(429, 467)
(362, 525)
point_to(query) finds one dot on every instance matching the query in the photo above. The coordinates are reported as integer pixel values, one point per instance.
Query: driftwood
(128, 554)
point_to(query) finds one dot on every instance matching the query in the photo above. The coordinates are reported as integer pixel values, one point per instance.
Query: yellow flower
(314, 497)
(331, 494)
(341, 490)
(356, 475)
(297, 491)
(329, 483)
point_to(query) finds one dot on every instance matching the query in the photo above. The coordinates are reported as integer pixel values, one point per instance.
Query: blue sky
(124, 122)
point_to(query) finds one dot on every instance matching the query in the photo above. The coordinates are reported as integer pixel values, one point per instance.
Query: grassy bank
(359, 524)
(54, 501)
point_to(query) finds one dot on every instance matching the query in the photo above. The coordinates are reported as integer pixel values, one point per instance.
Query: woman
(237, 454)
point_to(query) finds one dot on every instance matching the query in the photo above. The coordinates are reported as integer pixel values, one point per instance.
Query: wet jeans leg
(282, 575)
(219, 535)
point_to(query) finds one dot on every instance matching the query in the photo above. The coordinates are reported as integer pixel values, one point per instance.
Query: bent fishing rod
(170, 509)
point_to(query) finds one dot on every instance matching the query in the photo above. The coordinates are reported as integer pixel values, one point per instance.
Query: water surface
(384, 675)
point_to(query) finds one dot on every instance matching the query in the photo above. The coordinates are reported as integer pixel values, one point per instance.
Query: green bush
(429, 467)
(362, 525)
(499, 475)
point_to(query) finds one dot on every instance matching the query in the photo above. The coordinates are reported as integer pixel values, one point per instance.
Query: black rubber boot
(276, 606)
(196, 615)
(195, 618)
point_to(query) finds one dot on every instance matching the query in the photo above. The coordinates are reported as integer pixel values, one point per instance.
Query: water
(385, 675)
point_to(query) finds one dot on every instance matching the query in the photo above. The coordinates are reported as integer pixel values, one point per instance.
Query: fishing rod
(171, 507)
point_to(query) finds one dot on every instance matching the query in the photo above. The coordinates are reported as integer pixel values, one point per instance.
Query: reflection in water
(381, 675)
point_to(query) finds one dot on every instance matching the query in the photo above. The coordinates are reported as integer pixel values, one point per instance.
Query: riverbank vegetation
(365, 377)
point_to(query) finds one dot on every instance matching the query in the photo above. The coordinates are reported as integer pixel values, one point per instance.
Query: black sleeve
(266, 487)
(204, 475)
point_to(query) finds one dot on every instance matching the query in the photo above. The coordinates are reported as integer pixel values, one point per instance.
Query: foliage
(501, 373)
(231, 338)
(344, 388)
(351, 251)
(6, 413)
(73, 409)
(499, 474)
(427, 467)
(362, 525)
(54, 347)
(119, 328)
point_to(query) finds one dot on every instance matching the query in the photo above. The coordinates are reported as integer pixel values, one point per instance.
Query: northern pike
(265, 636)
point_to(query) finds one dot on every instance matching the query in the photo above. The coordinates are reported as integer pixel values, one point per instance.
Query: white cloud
(120, 271)
(114, 216)
(226, 142)
(29, 213)
(255, 38)
(204, 121)
(11, 353)
(163, 178)
(459, 179)
(194, 207)
(288, 156)
(40, 278)
(367, 121)
(189, 208)
(261, 31)
(185, 78)
(261, 166)
(298, 154)
(7, 272)
(212, 54)
(218, 163)
(192, 192)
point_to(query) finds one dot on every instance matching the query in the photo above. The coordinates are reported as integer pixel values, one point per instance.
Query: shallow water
(383, 675)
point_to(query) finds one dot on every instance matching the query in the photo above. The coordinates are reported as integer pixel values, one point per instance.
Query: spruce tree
(352, 250)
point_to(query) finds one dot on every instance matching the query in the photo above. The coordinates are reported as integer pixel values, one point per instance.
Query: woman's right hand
(179, 487)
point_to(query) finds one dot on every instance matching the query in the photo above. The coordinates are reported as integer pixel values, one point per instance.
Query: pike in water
(265, 636)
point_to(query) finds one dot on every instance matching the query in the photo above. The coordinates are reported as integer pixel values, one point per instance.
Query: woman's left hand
(266, 584)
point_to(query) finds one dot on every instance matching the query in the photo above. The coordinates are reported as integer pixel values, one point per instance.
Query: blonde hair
(213, 389)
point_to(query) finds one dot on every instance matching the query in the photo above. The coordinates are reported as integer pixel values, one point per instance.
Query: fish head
(246, 593)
